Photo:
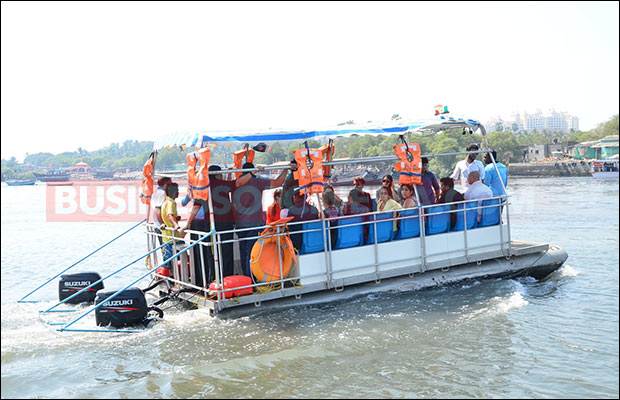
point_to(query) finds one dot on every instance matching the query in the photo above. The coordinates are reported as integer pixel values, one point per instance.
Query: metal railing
(424, 214)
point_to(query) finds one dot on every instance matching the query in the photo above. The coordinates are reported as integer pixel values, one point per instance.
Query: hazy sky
(89, 74)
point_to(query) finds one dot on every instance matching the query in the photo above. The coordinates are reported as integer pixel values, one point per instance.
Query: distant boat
(55, 175)
(101, 173)
(59, 183)
(605, 169)
(21, 183)
(370, 178)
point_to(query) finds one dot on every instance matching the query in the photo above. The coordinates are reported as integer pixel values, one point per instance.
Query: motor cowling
(127, 309)
(72, 283)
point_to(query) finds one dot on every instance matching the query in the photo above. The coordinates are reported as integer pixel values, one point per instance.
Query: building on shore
(597, 149)
(551, 121)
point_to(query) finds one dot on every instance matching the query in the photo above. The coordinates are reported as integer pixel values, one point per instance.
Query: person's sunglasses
(386, 181)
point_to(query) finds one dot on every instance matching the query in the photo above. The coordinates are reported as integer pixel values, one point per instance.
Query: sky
(90, 74)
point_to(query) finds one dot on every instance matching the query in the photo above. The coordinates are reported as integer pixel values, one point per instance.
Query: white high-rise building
(539, 121)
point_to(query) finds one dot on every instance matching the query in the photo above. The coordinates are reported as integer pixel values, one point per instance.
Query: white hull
(606, 175)
(399, 268)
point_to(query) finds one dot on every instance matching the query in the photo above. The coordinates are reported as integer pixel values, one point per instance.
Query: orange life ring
(266, 255)
(238, 158)
(198, 180)
(310, 179)
(410, 168)
(147, 181)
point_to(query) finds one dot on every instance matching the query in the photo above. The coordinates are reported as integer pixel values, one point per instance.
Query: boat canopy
(185, 139)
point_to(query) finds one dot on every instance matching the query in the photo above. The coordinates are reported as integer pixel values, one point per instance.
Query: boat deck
(294, 292)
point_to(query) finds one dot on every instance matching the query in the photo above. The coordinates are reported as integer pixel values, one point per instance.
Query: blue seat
(470, 213)
(312, 242)
(385, 230)
(490, 215)
(438, 223)
(409, 224)
(349, 236)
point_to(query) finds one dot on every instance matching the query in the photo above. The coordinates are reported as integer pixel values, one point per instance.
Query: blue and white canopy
(184, 139)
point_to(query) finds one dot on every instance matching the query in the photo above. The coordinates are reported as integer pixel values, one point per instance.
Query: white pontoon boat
(335, 260)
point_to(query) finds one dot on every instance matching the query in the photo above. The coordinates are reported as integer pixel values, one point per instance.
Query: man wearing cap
(248, 202)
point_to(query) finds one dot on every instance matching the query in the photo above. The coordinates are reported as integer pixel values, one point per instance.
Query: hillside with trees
(132, 154)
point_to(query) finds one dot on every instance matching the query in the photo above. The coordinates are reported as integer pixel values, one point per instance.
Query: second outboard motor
(73, 283)
(126, 309)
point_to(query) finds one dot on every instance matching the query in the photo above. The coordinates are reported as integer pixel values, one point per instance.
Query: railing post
(422, 229)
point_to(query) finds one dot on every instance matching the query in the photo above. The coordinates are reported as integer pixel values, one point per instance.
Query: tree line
(132, 154)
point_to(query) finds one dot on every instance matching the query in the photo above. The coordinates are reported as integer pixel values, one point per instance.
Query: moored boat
(605, 169)
(21, 182)
(53, 175)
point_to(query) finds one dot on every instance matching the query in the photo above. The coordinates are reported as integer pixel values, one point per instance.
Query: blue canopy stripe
(184, 139)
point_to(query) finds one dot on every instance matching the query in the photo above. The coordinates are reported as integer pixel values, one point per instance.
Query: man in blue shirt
(490, 174)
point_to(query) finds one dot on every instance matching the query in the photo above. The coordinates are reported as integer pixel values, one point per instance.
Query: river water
(556, 338)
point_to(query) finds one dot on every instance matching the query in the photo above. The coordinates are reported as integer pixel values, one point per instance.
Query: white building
(552, 122)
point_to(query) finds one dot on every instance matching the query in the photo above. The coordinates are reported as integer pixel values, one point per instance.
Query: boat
(53, 175)
(370, 178)
(428, 254)
(336, 259)
(59, 183)
(101, 173)
(21, 182)
(605, 169)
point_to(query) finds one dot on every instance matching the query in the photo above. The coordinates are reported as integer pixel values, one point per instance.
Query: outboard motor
(73, 283)
(126, 309)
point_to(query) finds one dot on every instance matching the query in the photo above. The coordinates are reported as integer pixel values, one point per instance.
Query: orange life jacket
(198, 180)
(147, 182)
(310, 180)
(238, 158)
(410, 171)
(327, 151)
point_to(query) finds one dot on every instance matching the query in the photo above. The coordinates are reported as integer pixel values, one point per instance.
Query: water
(556, 338)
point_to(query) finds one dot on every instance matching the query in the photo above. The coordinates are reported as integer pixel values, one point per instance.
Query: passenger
(248, 200)
(198, 220)
(160, 197)
(450, 195)
(288, 189)
(386, 203)
(464, 167)
(301, 210)
(170, 227)
(355, 206)
(338, 203)
(388, 182)
(408, 196)
(490, 174)
(364, 197)
(477, 191)
(330, 210)
(273, 211)
(430, 194)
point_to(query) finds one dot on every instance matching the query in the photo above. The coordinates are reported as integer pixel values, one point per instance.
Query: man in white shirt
(464, 167)
(477, 190)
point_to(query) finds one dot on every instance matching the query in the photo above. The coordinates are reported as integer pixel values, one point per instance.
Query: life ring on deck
(266, 254)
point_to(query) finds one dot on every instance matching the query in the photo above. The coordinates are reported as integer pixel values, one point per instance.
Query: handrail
(64, 328)
(76, 263)
(101, 280)
(361, 160)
